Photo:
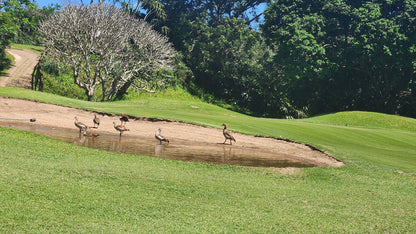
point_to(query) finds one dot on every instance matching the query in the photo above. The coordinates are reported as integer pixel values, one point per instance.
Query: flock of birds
(83, 128)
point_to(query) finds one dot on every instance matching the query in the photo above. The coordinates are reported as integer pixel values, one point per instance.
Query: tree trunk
(90, 93)
(123, 90)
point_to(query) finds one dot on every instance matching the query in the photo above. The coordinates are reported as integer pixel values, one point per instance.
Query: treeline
(302, 58)
(346, 55)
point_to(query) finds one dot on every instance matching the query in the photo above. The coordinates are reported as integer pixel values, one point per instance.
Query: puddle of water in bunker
(178, 150)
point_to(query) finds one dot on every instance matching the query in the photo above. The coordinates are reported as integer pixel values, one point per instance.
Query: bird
(161, 138)
(123, 119)
(227, 135)
(120, 128)
(96, 121)
(81, 126)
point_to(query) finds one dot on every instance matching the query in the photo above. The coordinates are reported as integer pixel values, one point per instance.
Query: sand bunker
(63, 117)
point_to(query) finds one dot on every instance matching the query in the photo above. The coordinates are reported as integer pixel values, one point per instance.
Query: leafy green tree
(19, 21)
(10, 10)
(227, 58)
(344, 55)
(181, 14)
(232, 62)
(28, 21)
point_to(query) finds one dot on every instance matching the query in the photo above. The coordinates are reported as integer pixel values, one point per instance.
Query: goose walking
(81, 126)
(227, 134)
(161, 138)
(96, 121)
(120, 128)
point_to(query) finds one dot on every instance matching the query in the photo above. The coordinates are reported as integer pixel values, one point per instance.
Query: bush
(63, 85)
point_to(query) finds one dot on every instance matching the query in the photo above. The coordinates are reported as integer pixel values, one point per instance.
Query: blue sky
(43, 3)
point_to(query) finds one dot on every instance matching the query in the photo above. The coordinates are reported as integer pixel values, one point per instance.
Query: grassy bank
(52, 186)
(37, 49)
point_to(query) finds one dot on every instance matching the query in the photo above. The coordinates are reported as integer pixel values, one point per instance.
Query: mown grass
(367, 120)
(34, 48)
(50, 186)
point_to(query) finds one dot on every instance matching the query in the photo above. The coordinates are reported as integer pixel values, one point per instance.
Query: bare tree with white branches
(106, 48)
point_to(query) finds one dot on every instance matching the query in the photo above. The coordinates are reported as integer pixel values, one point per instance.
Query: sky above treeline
(43, 3)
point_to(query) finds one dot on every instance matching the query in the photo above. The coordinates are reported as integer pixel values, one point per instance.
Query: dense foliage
(346, 55)
(9, 9)
(228, 58)
(324, 56)
(18, 23)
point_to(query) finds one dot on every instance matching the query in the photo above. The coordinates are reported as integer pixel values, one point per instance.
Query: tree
(144, 8)
(232, 63)
(180, 14)
(344, 55)
(10, 10)
(228, 59)
(106, 48)
(151, 11)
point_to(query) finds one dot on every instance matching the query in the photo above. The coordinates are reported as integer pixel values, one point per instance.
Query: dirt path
(20, 74)
(63, 117)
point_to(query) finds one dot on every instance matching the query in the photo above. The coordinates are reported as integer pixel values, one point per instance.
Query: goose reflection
(159, 150)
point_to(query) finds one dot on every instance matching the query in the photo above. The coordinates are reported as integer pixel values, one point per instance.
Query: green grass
(34, 48)
(367, 120)
(50, 186)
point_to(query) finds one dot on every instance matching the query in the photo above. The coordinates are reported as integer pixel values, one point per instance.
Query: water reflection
(176, 150)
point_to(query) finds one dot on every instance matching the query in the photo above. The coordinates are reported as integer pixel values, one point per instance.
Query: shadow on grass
(5, 64)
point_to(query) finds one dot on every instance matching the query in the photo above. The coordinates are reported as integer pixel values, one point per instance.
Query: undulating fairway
(50, 186)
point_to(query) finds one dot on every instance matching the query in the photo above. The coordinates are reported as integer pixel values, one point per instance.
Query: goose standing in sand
(120, 128)
(123, 119)
(227, 134)
(81, 126)
(96, 121)
(161, 138)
